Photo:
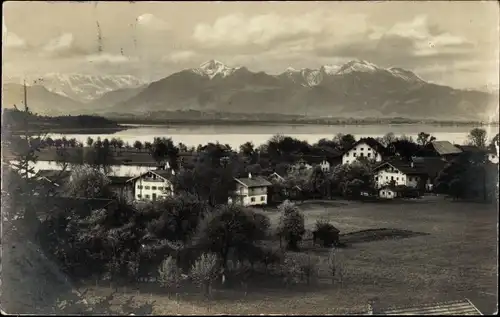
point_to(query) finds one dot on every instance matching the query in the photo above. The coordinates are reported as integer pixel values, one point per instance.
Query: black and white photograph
(249, 158)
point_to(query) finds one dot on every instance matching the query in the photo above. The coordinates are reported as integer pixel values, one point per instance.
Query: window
(139, 187)
(397, 178)
(361, 154)
(160, 187)
(369, 154)
(376, 178)
(153, 187)
(154, 196)
(252, 199)
(387, 177)
(361, 149)
(262, 198)
(354, 154)
(347, 154)
(146, 187)
(409, 179)
(147, 196)
(392, 178)
(139, 195)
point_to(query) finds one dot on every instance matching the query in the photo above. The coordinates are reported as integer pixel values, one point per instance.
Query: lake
(235, 135)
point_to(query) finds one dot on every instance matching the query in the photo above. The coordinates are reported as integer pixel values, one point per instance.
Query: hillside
(82, 87)
(40, 100)
(355, 89)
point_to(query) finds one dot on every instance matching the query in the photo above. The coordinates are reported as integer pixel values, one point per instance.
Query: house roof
(277, 175)
(459, 307)
(116, 180)
(445, 147)
(371, 142)
(54, 175)
(404, 167)
(433, 165)
(253, 182)
(475, 149)
(165, 173)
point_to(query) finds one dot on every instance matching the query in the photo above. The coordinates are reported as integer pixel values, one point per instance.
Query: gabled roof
(444, 147)
(165, 174)
(276, 175)
(117, 180)
(54, 176)
(432, 165)
(459, 307)
(474, 149)
(404, 167)
(253, 182)
(371, 142)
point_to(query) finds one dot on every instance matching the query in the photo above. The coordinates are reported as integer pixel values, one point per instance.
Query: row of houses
(150, 182)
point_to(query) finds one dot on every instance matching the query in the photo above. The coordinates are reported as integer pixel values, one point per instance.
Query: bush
(205, 270)
(291, 224)
(326, 233)
(169, 274)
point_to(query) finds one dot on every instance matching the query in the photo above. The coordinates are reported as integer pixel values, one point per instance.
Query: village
(141, 177)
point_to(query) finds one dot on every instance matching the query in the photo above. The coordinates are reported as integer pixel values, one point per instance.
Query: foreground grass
(456, 259)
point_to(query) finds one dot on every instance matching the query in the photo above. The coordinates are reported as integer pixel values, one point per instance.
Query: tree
(148, 146)
(345, 141)
(88, 182)
(205, 271)
(90, 141)
(477, 137)
(291, 224)
(231, 228)
(169, 274)
(388, 138)
(495, 142)
(406, 149)
(424, 139)
(138, 145)
(164, 148)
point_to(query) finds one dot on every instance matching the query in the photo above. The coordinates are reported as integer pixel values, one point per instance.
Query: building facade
(251, 191)
(368, 148)
(152, 185)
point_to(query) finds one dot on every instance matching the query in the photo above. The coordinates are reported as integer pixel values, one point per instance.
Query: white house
(300, 165)
(251, 191)
(325, 166)
(399, 173)
(387, 192)
(365, 147)
(153, 185)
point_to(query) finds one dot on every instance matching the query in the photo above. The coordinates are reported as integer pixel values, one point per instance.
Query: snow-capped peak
(357, 66)
(213, 68)
(404, 74)
(330, 69)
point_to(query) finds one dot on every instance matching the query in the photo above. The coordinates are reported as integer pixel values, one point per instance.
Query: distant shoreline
(131, 123)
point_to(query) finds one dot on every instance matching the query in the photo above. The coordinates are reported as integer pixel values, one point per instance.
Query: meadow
(397, 253)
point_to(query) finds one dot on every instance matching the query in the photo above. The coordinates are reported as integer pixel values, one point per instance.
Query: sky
(454, 43)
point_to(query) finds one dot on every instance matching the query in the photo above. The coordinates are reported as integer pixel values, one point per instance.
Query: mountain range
(355, 89)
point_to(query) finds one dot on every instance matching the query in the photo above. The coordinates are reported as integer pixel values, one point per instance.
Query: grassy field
(454, 257)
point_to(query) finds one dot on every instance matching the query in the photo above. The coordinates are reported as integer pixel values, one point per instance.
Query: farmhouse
(491, 155)
(299, 166)
(399, 173)
(250, 191)
(152, 185)
(443, 149)
(365, 147)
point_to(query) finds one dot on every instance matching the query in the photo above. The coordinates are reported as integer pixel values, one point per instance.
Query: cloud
(150, 21)
(106, 58)
(61, 43)
(408, 43)
(267, 29)
(179, 56)
(11, 40)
